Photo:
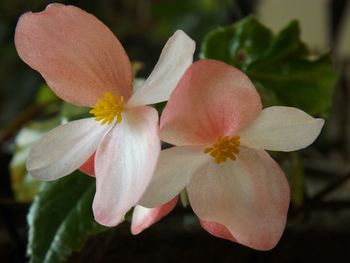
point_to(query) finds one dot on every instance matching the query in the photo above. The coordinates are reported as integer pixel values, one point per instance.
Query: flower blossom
(85, 64)
(215, 119)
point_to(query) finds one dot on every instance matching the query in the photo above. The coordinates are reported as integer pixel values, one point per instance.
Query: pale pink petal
(78, 56)
(143, 217)
(249, 196)
(65, 148)
(174, 170)
(124, 164)
(212, 99)
(89, 166)
(281, 128)
(176, 57)
(217, 230)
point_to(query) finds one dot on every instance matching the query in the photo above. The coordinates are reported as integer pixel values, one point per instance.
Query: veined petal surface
(124, 164)
(212, 99)
(78, 56)
(249, 196)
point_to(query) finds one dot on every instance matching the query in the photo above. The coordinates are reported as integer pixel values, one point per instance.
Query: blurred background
(318, 227)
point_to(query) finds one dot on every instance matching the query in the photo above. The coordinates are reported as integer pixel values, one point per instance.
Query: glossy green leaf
(281, 64)
(60, 218)
(239, 44)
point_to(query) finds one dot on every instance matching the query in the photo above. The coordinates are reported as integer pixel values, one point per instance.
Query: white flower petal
(176, 57)
(124, 164)
(137, 84)
(280, 128)
(65, 148)
(174, 169)
(249, 196)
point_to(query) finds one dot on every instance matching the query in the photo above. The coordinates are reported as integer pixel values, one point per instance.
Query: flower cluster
(213, 117)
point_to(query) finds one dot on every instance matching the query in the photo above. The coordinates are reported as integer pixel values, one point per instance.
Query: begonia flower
(215, 119)
(85, 64)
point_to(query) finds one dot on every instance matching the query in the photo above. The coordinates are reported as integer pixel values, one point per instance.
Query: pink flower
(85, 64)
(236, 189)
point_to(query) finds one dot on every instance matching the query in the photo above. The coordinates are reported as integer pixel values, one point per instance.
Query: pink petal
(143, 217)
(176, 57)
(124, 164)
(217, 230)
(212, 99)
(174, 170)
(249, 196)
(78, 56)
(89, 166)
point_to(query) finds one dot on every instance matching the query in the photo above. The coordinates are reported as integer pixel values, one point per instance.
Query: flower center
(108, 108)
(224, 148)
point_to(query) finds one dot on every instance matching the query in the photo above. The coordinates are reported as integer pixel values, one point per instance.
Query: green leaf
(268, 97)
(60, 219)
(239, 44)
(281, 64)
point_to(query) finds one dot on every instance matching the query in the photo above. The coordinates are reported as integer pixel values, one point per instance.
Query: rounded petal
(144, 217)
(174, 169)
(65, 148)
(249, 196)
(212, 99)
(280, 128)
(124, 164)
(78, 56)
(217, 230)
(176, 57)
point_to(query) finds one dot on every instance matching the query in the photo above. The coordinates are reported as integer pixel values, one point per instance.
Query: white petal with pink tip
(124, 164)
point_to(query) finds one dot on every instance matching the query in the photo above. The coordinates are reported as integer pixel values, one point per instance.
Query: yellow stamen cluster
(108, 108)
(224, 148)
